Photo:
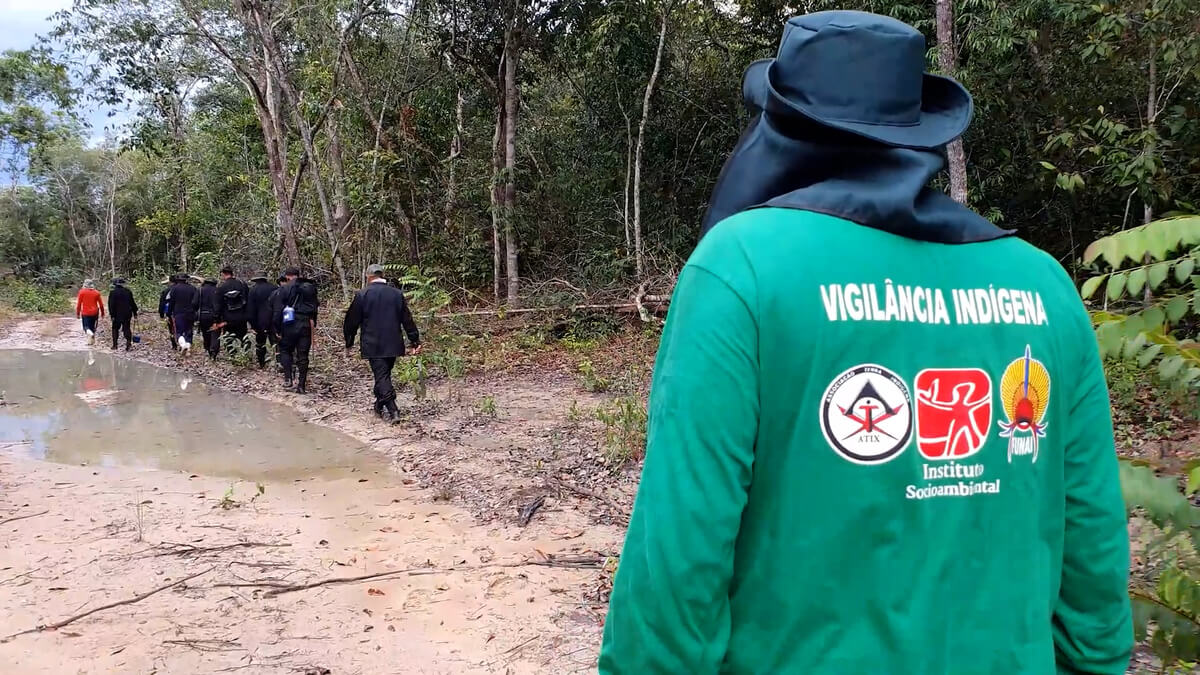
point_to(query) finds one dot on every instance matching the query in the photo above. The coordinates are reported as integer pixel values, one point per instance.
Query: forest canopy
(499, 144)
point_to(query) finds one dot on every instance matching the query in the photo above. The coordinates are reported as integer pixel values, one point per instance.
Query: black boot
(393, 413)
(379, 409)
(302, 384)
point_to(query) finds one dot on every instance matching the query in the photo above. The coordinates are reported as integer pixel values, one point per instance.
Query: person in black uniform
(164, 310)
(122, 308)
(182, 300)
(294, 324)
(258, 309)
(382, 314)
(208, 313)
(232, 301)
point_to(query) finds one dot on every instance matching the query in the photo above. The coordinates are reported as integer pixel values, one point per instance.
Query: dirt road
(474, 591)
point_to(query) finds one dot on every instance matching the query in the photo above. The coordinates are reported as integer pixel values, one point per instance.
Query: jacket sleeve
(669, 610)
(1093, 631)
(406, 321)
(353, 320)
(132, 303)
(79, 305)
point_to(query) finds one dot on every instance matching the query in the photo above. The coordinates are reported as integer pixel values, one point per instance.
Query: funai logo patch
(1024, 395)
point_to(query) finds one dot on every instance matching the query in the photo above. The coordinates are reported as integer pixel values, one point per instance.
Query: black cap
(118, 282)
(291, 272)
(227, 270)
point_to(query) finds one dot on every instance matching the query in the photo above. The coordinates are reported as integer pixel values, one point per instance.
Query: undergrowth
(34, 298)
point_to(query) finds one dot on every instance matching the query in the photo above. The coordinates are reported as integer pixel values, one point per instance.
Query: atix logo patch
(866, 414)
(954, 412)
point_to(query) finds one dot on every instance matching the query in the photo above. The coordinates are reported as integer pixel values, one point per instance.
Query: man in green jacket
(879, 438)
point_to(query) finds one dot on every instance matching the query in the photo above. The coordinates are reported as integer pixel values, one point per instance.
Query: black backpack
(235, 300)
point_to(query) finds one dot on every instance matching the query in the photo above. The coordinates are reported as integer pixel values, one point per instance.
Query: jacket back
(182, 300)
(258, 305)
(381, 313)
(233, 299)
(121, 305)
(912, 469)
(207, 308)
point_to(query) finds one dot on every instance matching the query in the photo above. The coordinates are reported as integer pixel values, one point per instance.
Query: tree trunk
(497, 194)
(511, 104)
(341, 205)
(947, 60)
(112, 222)
(275, 61)
(181, 201)
(452, 161)
(376, 120)
(628, 180)
(1151, 114)
(638, 248)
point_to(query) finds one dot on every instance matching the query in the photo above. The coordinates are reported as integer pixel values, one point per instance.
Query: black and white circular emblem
(866, 414)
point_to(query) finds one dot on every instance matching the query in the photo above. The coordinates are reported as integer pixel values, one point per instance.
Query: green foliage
(240, 352)
(590, 379)
(624, 422)
(1151, 296)
(34, 298)
(423, 293)
(486, 406)
(1166, 594)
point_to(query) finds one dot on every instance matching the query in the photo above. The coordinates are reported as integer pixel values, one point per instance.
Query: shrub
(624, 430)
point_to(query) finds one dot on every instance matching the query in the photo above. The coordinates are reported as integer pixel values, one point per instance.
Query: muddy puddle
(92, 408)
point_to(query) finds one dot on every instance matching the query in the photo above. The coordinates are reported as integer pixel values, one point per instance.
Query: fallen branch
(16, 518)
(130, 601)
(594, 495)
(623, 306)
(344, 580)
(188, 549)
(570, 562)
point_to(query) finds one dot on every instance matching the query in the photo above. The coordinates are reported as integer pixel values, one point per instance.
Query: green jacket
(870, 454)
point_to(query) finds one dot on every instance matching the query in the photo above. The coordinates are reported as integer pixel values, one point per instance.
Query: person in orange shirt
(89, 307)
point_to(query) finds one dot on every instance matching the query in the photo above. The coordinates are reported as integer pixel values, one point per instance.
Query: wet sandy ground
(470, 598)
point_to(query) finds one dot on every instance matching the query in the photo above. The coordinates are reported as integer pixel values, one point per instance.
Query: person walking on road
(258, 310)
(122, 308)
(208, 313)
(381, 313)
(164, 310)
(182, 302)
(879, 433)
(89, 308)
(232, 304)
(294, 325)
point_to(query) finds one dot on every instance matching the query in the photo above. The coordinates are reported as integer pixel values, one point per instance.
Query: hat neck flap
(793, 164)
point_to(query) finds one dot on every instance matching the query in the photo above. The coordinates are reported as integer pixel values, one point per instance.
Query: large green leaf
(1148, 356)
(1157, 241)
(1133, 346)
(1153, 318)
(1160, 497)
(1116, 285)
(1157, 274)
(1136, 281)
(1169, 367)
(1109, 337)
(1184, 269)
(1178, 307)
(1090, 286)
(1105, 247)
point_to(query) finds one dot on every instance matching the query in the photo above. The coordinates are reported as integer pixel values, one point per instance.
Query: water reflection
(75, 407)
